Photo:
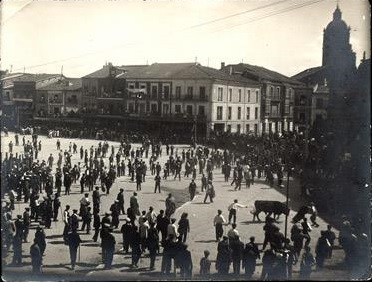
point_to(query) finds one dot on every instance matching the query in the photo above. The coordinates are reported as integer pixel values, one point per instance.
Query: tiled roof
(260, 73)
(307, 72)
(8, 80)
(181, 71)
(64, 84)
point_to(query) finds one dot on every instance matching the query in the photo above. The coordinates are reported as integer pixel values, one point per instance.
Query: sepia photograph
(161, 140)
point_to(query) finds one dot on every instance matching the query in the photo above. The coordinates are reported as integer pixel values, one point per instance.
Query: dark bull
(270, 207)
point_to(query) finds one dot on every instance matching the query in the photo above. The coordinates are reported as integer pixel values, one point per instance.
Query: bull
(270, 207)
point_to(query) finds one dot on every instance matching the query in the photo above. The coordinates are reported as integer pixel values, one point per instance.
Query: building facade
(182, 98)
(277, 101)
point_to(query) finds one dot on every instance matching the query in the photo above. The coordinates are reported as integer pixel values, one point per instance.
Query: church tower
(337, 52)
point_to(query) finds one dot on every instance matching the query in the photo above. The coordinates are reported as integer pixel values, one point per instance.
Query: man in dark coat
(26, 223)
(40, 239)
(36, 257)
(152, 244)
(192, 189)
(120, 198)
(126, 231)
(96, 198)
(223, 260)
(67, 181)
(250, 255)
(108, 246)
(17, 241)
(96, 224)
(135, 246)
(183, 257)
(56, 206)
(162, 223)
(237, 247)
(115, 211)
(73, 243)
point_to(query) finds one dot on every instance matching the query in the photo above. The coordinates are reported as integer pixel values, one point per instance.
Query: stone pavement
(201, 237)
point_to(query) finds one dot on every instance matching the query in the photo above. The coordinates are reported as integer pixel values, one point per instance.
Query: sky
(82, 35)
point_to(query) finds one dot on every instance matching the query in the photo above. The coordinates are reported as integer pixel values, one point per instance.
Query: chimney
(230, 70)
(222, 65)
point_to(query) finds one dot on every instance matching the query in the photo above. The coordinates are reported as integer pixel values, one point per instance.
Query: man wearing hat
(96, 199)
(40, 239)
(115, 211)
(223, 260)
(108, 246)
(126, 231)
(67, 181)
(120, 199)
(26, 223)
(17, 241)
(73, 243)
(250, 255)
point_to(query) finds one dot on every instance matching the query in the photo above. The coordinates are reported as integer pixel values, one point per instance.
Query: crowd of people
(39, 183)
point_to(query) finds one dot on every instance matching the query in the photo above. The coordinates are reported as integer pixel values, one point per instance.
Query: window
(238, 128)
(154, 108)
(278, 92)
(131, 85)
(154, 91)
(189, 109)
(319, 103)
(201, 111)
(230, 95)
(248, 113)
(256, 113)
(166, 92)
(271, 92)
(131, 107)
(177, 109)
(301, 117)
(302, 100)
(247, 129)
(290, 93)
(239, 112)
(256, 96)
(202, 93)
(143, 86)
(165, 109)
(229, 111)
(240, 95)
(255, 129)
(178, 92)
(7, 96)
(190, 92)
(219, 113)
(228, 128)
(220, 94)
(274, 110)
(249, 96)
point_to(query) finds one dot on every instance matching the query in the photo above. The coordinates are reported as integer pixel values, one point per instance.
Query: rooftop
(258, 72)
(63, 84)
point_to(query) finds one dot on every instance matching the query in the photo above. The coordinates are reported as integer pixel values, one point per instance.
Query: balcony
(55, 101)
(70, 101)
(111, 96)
